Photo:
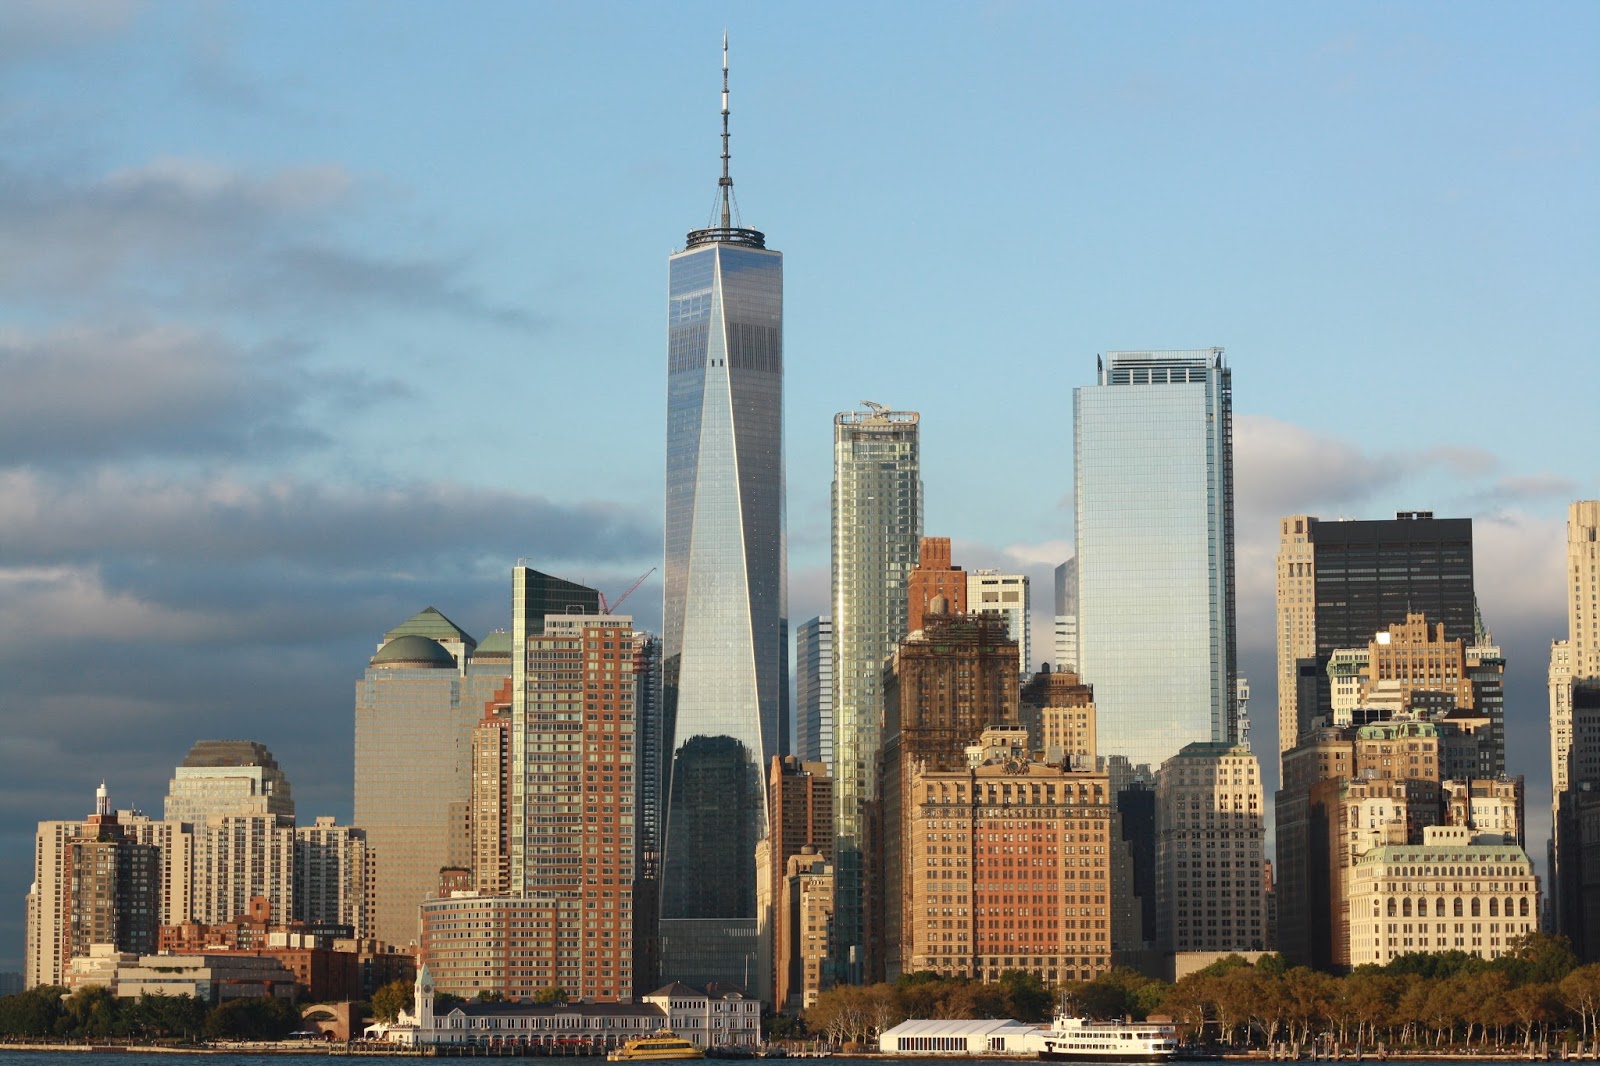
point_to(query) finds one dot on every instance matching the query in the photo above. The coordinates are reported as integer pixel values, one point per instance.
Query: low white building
(208, 978)
(959, 1038)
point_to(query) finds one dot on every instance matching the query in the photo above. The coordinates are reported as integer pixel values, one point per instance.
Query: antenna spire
(725, 183)
(725, 226)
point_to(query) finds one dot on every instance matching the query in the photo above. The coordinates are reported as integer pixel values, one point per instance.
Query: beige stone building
(1456, 891)
(1296, 622)
(1066, 716)
(804, 940)
(1210, 829)
(1583, 588)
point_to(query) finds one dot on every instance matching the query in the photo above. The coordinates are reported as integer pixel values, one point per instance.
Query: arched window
(1458, 906)
(1422, 908)
(1494, 907)
(1438, 907)
(1475, 910)
(1405, 908)
(1511, 907)
(1524, 906)
(1391, 907)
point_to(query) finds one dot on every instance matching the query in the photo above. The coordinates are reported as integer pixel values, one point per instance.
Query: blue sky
(314, 312)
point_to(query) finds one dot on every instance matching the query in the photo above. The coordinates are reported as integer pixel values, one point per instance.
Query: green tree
(255, 1018)
(33, 1012)
(1537, 958)
(1027, 999)
(162, 1015)
(551, 995)
(91, 1011)
(391, 999)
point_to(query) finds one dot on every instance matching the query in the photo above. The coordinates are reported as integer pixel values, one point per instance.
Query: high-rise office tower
(725, 615)
(877, 526)
(241, 807)
(489, 816)
(535, 596)
(1210, 819)
(1007, 595)
(1066, 644)
(813, 691)
(574, 726)
(1339, 583)
(650, 789)
(1574, 685)
(1583, 589)
(1153, 479)
(415, 709)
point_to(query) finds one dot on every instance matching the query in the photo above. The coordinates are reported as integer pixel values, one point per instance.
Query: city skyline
(304, 461)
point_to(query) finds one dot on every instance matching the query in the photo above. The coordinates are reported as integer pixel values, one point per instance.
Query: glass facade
(877, 524)
(1153, 474)
(725, 627)
(1371, 574)
(813, 690)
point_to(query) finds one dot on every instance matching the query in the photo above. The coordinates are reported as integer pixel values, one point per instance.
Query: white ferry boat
(1070, 1039)
(1081, 1040)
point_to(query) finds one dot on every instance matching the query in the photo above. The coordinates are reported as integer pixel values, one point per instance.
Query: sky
(319, 314)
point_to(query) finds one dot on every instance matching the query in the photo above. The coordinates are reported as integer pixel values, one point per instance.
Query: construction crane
(610, 607)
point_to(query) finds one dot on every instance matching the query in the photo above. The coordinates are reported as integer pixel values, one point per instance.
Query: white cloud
(50, 603)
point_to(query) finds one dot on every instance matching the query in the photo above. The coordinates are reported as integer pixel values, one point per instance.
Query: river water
(80, 1058)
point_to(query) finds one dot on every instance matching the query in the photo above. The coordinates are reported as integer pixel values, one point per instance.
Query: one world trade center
(725, 618)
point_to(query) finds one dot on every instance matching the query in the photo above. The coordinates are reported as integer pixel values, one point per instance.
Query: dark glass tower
(725, 619)
(1371, 574)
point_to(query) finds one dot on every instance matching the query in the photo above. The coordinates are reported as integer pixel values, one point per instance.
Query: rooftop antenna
(725, 183)
(725, 226)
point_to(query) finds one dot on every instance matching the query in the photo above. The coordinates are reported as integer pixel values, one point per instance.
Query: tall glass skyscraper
(725, 621)
(877, 525)
(1153, 478)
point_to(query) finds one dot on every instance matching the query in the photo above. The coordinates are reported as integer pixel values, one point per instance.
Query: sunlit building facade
(1153, 476)
(415, 710)
(877, 526)
(725, 654)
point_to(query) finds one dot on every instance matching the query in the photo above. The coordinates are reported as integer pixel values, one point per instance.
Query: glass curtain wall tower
(1153, 473)
(877, 525)
(725, 620)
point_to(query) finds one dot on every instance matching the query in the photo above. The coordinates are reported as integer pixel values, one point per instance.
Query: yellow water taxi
(660, 1046)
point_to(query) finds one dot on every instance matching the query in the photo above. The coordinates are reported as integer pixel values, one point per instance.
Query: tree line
(92, 1012)
(1534, 993)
